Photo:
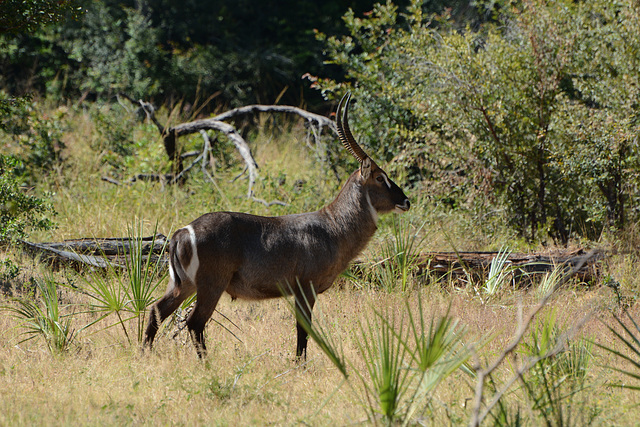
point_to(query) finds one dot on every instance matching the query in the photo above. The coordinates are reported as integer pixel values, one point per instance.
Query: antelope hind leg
(166, 305)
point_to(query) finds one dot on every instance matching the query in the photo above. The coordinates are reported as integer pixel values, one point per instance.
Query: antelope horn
(344, 133)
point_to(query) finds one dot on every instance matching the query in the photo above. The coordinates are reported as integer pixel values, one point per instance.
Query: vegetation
(403, 353)
(512, 126)
(530, 118)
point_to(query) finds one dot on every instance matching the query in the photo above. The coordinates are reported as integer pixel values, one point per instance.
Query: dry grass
(103, 380)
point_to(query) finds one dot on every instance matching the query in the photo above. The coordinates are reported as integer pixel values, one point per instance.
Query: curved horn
(344, 132)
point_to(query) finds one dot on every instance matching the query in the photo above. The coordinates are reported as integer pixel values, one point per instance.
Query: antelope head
(383, 194)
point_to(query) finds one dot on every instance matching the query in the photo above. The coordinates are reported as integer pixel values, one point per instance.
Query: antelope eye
(380, 178)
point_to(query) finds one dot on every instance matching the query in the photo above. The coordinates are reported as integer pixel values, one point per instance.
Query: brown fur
(255, 257)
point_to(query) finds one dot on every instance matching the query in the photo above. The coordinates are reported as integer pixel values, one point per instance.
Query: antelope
(255, 257)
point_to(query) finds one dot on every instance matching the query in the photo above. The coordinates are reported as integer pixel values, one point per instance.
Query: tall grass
(499, 274)
(554, 385)
(126, 290)
(382, 345)
(630, 339)
(144, 275)
(405, 360)
(42, 316)
(399, 256)
(400, 364)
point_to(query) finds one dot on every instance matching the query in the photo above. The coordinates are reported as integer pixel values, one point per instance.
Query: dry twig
(478, 415)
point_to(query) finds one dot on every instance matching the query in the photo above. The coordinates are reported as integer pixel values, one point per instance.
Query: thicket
(238, 52)
(530, 117)
(37, 142)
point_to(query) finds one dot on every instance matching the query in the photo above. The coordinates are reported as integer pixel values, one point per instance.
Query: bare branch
(147, 108)
(321, 121)
(232, 134)
(482, 374)
(171, 134)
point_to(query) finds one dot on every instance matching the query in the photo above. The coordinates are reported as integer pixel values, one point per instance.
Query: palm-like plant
(554, 382)
(128, 293)
(42, 317)
(399, 256)
(632, 343)
(144, 274)
(382, 344)
(498, 273)
(405, 360)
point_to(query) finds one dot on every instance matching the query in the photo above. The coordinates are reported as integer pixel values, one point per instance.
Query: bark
(95, 252)
(478, 263)
(217, 123)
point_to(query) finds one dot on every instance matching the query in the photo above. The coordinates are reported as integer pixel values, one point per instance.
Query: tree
(533, 114)
(26, 16)
(19, 211)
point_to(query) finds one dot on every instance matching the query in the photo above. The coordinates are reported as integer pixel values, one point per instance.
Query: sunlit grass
(401, 349)
(42, 316)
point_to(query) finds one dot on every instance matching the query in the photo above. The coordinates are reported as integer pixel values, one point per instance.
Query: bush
(19, 212)
(533, 115)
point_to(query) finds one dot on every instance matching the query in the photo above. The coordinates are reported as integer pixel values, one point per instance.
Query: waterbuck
(255, 257)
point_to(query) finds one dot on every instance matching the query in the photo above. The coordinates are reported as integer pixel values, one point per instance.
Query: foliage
(32, 134)
(27, 16)
(631, 340)
(244, 51)
(114, 135)
(19, 212)
(129, 288)
(399, 256)
(554, 384)
(498, 273)
(144, 275)
(531, 114)
(106, 295)
(44, 318)
(405, 362)
(115, 53)
(385, 358)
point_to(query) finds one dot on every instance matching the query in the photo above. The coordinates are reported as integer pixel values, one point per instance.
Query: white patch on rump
(194, 262)
(171, 273)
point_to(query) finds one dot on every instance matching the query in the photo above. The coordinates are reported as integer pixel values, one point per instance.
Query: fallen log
(95, 252)
(477, 264)
(105, 252)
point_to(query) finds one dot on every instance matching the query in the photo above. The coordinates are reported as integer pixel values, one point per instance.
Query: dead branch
(311, 118)
(149, 177)
(477, 417)
(147, 108)
(93, 252)
(315, 124)
(170, 136)
(452, 264)
(233, 135)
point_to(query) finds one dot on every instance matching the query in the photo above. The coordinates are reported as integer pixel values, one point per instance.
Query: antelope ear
(365, 168)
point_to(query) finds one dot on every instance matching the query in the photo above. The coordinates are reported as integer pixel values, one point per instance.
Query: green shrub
(42, 316)
(533, 115)
(19, 212)
(33, 133)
